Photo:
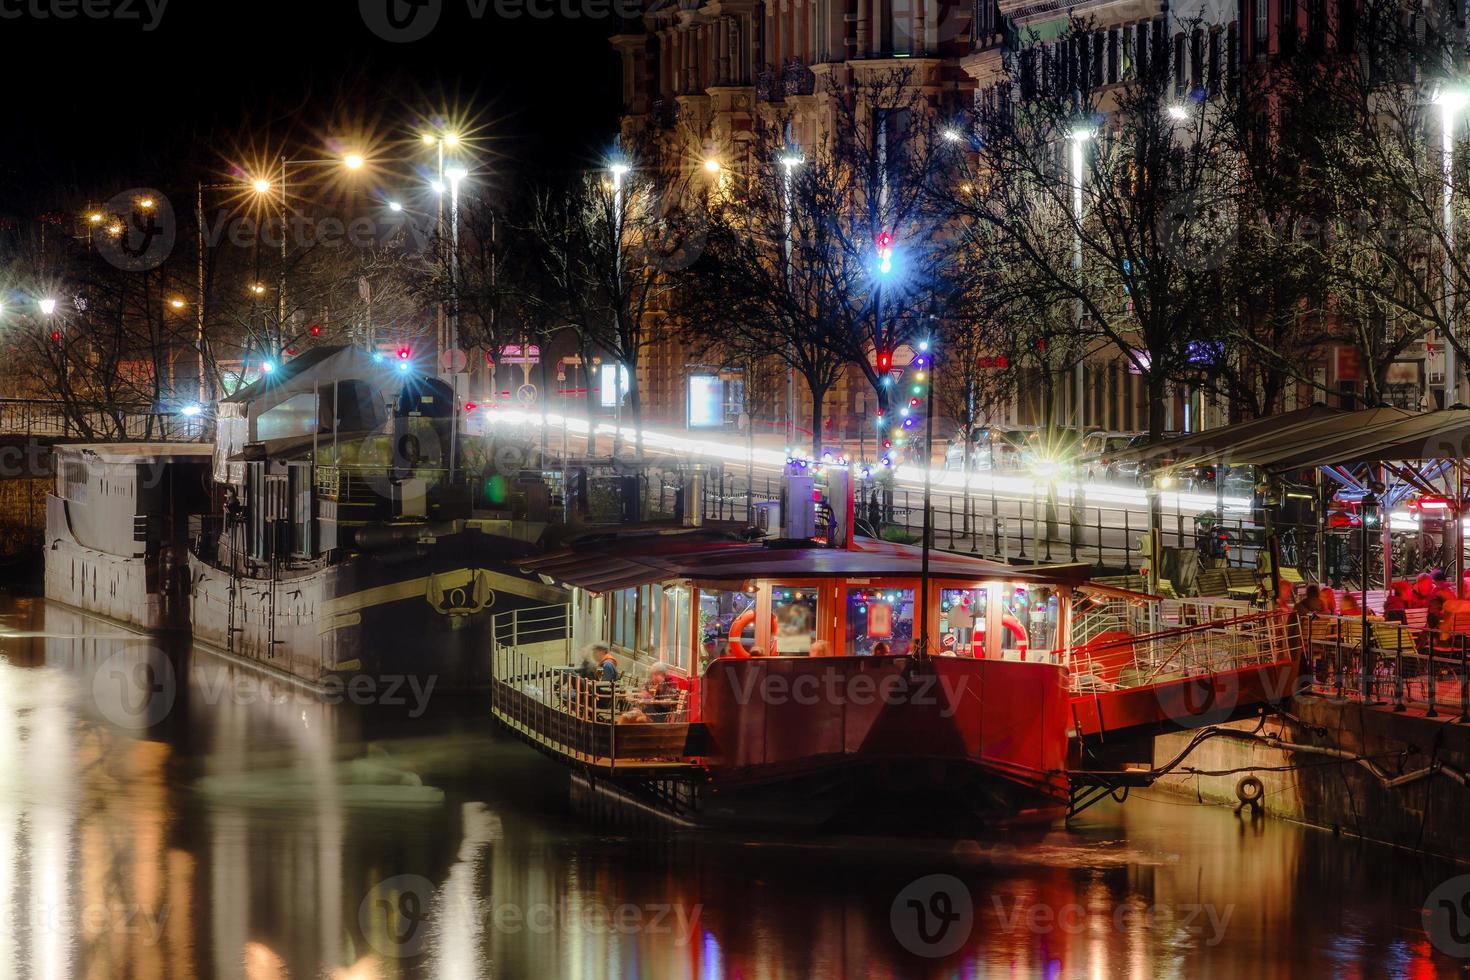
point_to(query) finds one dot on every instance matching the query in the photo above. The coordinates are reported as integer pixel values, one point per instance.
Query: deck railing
(1105, 614)
(1187, 650)
(1399, 665)
(550, 703)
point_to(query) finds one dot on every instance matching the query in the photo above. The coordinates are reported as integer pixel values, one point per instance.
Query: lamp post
(619, 168)
(1079, 138)
(1368, 519)
(264, 186)
(439, 141)
(1450, 102)
(790, 160)
(925, 361)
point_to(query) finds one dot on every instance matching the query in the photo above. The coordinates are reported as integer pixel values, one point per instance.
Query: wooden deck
(591, 738)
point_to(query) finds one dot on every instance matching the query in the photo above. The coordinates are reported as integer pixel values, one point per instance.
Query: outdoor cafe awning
(1218, 441)
(1377, 435)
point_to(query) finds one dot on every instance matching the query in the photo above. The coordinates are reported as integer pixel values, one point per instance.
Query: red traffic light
(885, 240)
(315, 329)
(469, 406)
(885, 360)
(404, 353)
(56, 336)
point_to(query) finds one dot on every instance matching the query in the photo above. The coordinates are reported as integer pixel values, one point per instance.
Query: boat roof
(316, 368)
(629, 558)
(138, 452)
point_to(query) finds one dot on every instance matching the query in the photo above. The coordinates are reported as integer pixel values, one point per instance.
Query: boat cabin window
(795, 611)
(296, 416)
(1029, 619)
(725, 615)
(880, 616)
(623, 619)
(675, 648)
(962, 621)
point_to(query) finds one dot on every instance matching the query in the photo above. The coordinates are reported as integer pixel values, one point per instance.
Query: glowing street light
(48, 306)
(1177, 111)
(95, 218)
(146, 203)
(951, 135)
(261, 185)
(394, 206)
(353, 161)
(712, 165)
(1450, 102)
(177, 303)
(258, 289)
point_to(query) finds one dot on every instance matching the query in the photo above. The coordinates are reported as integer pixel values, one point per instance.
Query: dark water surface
(238, 827)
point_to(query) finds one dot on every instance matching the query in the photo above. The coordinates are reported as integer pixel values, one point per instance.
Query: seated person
(821, 648)
(882, 649)
(1311, 603)
(656, 700)
(607, 664)
(1396, 603)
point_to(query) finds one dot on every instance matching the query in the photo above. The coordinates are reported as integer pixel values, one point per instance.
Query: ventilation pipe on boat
(378, 537)
(690, 502)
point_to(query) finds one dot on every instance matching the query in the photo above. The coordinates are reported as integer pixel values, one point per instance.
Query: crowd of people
(1432, 592)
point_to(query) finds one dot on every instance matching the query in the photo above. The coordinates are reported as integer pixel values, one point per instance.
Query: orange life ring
(737, 649)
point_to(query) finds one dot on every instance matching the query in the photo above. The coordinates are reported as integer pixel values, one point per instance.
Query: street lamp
(790, 159)
(456, 175)
(48, 306)
(1178, 112)
(1450, 102)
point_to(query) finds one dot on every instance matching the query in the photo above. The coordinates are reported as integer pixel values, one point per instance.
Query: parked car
(1097, 449)
(1133, 470)
(990, 449)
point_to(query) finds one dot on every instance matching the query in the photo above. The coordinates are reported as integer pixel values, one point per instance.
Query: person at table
(1352, 608)
(1396, 603)
(656, 699)
(882, 649)
(1311, 604)
(607, 664)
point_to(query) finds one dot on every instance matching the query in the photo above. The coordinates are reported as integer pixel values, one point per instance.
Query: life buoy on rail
(1014, 627)
(737, 649)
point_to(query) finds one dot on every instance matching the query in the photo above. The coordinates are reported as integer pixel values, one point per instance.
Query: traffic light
(885, 253)
(315, 329)
(885, 361)
(404, 353)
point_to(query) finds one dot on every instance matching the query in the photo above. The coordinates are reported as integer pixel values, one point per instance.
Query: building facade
(703, 73)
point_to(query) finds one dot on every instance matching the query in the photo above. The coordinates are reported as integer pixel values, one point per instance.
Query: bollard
(1099, 539)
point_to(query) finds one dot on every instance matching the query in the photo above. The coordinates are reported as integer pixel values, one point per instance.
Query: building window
(1286, 30)
(1261, 29)
(1179, 67)
(1197, 58)
(1114, 68)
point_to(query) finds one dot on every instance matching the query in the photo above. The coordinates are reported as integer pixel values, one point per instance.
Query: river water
(235, 826)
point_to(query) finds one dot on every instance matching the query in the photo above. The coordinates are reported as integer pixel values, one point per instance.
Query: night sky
(93, 106)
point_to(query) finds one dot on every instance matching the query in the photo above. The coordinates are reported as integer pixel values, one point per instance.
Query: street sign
(515, 354)
(453, 361)
(526, 394)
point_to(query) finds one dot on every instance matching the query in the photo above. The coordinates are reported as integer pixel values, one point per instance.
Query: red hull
(1189, 702)
(865, 741)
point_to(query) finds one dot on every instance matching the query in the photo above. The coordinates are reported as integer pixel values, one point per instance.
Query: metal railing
(1218, 644)
(1008, 528)
(1390, 663)
(52, 419)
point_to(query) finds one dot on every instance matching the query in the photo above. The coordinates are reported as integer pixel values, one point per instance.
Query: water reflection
(249, 830)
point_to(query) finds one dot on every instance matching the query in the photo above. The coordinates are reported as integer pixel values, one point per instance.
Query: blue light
(191, 410)
(887, 460)
(377, 355)
(923, 345)
(266, 367)
(403, 366)
(908, 423)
